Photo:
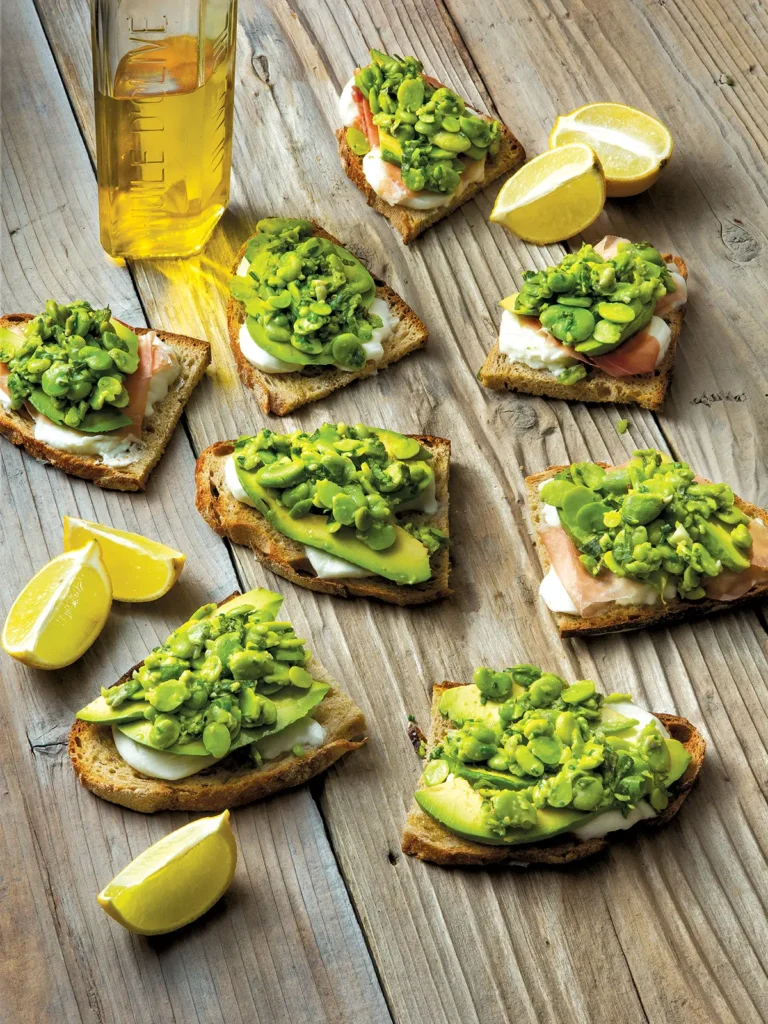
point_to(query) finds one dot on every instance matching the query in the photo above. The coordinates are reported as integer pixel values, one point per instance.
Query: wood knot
(260, 65)
(741, 245)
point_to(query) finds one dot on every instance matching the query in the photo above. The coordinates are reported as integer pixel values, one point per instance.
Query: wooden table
(326, 920)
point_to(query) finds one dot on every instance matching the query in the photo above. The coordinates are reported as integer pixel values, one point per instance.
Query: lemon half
(633, 147)
(555, 196)
(141, 569)
(175, 880)
(61, 611)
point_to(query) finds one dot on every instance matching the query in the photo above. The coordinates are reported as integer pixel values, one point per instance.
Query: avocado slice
(487, 776)
(405, 562)
(717, 540)
(99, 711)
(292, 703)
(391, 150)
(461, 704)
(680, 759)
(455, 804)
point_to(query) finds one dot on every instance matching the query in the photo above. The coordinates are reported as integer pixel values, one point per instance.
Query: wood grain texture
(670, 928)
(283, 945)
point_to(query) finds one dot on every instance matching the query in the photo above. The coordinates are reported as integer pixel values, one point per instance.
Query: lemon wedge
(555, 196)
(141, 569)
(633, 147)
(175, 880)
(61, 611)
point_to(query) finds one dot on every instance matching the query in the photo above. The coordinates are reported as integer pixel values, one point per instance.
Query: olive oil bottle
(163, 84)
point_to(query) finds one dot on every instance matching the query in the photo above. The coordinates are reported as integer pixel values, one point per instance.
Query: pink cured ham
(608, 247)
(729, 585)
(369, 129)
(590, 594)
(636, 355)
(151, 359)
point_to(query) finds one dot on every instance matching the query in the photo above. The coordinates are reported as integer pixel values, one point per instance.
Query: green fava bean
(357, 141)
(282, 474)
(569, 324)
(348, 351)
(216, 739)
(164, 732)
(528, 761)
(577, 693)
(225, 646)
(410, 94)
(564, 726)
(616, 312)
(587, 793)
(168, 696)
(453, 142)
(290, 267)
(640, 509)
(249, 665)
(299, 677)
(524, 675)
(561, 793)
(494, 685)
(545, 690)
(659, 799)
(547, 748)
(435, 772)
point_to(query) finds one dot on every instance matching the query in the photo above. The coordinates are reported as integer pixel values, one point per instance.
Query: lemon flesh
(555, 196)
(61, 611)
(632, 146)
(176, 880)
(141, 569)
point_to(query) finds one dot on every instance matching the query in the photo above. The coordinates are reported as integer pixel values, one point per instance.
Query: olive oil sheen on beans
(163, 84)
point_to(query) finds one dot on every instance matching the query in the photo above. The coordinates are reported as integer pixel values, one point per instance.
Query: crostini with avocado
(354, 511)
(231, 708)
(522, 768)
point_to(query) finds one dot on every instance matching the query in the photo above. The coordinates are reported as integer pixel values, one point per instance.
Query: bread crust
(247, 526)
(194, 356)
(427, 839)
(231, 782)
(647, 390)
(283, 393)
(622, 619)
(411, 223)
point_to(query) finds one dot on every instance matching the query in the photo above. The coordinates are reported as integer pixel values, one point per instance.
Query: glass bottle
(163, 74)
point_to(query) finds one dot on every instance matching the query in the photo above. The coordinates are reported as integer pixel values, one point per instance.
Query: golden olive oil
(164, 143)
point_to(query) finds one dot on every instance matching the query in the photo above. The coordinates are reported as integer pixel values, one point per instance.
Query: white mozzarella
(330, 567)
(232, 480)
(304, 733)
(522, 341)
(260, 358)
(158, 764)
(347, 106)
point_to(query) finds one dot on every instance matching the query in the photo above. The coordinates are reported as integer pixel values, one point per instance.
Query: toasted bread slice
(647, 390)
(229, 783)
(411, 223)
(194, 356)
(245, 525)
(281, 393)
(624, 618)
(427, 839)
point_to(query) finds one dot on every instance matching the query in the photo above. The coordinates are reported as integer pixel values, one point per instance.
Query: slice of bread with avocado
(621, 618)
(245, 525)
(194, 357)
(282, 393)
(411, 223)
(646, 390)
(230, 782)
(426, 838)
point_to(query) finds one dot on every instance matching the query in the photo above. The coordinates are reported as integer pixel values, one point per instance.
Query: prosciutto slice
(369, 129)
(590, 594)
(636, 355)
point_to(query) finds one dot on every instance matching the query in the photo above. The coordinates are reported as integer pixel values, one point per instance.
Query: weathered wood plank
(284, 944)
(661, 929)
